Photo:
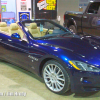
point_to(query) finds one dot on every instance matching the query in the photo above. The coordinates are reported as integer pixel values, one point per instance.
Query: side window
(94, 7)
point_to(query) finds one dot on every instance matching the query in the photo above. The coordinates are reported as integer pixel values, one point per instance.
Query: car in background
(64, 60)
(84, 22)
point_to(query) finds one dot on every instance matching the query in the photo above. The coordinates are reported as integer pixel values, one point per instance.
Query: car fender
(51, 57)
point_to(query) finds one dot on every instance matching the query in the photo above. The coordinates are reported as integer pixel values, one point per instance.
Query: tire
(72, 29)
(51, 70)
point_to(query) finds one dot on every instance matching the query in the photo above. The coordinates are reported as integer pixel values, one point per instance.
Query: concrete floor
(14, 81)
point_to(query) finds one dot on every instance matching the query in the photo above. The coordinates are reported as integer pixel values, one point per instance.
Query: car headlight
(83, 66)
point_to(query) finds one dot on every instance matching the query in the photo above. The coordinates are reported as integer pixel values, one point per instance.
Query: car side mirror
(15, 36)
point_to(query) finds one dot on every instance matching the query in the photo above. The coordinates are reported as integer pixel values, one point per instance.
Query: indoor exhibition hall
(49, 49)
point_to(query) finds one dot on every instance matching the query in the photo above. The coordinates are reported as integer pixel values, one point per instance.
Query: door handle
(84, 16)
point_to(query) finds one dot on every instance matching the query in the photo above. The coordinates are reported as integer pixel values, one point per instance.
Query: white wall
(67, 5)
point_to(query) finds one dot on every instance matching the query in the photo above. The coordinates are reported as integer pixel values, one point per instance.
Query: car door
(19, 52)
(15, 50)
(91, 19)
(4, 47)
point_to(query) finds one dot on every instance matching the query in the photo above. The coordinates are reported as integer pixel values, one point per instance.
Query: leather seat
(15, 29)
(34, 30)
(50, 31)
(3, 27)
(45, 30)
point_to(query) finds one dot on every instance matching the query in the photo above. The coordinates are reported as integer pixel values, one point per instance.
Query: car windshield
(45, 29)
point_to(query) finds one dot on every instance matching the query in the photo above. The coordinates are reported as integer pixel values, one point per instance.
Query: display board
(45, 9)
(24, 16)
(3, 8)
(23, 10)
(8, 8)
(23, 6)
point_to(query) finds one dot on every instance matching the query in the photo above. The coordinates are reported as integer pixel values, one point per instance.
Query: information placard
(24, 16)
(45, 9)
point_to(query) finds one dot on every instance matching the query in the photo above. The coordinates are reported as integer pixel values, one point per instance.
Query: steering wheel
(47, 32)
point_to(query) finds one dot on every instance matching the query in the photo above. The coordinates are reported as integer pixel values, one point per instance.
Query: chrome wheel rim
(54, 77)
(71, 30)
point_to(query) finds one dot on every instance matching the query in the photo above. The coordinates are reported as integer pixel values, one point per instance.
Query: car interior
(9, 30)
(36, 31)
(33, 29)
(3, 27)
(14, 28)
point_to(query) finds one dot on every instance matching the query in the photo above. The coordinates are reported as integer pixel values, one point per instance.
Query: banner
(45, 9)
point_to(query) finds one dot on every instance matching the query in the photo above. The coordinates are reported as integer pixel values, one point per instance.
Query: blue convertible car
(64, 60)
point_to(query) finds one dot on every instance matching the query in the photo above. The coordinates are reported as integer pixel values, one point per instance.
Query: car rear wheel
(55, 77)
(72, 28)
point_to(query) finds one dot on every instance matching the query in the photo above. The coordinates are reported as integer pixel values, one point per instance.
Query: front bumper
(82, 81)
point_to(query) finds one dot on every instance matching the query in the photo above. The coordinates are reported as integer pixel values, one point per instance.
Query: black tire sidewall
(67, 78)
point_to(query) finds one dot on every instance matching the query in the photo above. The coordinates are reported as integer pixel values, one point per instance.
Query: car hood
(85, 47)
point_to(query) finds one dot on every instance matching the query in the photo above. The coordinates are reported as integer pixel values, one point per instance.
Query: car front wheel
(55, 77)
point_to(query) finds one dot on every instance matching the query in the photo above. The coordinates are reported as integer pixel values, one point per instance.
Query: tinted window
(94, 7)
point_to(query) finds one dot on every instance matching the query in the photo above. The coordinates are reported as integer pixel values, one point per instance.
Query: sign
(23, 0)
(24, 16)
(23, 6)
(3, 7)
(3, 2)
(46, 5)
(45, 9)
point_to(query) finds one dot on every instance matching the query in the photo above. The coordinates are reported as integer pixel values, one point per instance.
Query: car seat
(3, 27)
(15, 29)
(34, 30)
